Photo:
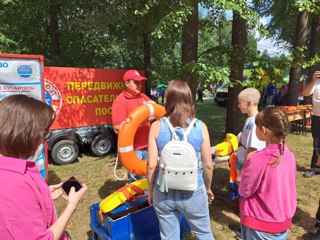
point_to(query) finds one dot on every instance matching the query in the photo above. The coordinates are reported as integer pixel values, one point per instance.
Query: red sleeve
(119, 112)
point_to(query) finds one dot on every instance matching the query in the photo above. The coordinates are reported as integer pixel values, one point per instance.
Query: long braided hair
(276, 121)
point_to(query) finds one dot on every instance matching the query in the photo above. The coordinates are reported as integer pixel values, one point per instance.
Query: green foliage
(245, 11)
(312, 62)
(6, 43)
(210, 74)
(307, 5)
(172, 22)
(109, 34)
(283, 19)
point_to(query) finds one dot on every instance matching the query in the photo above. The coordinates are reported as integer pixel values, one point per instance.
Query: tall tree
(295, 71)
(315, 43)
(147, 59)
(281, 27)
(53, 28)
(190, 46)
(239, 42)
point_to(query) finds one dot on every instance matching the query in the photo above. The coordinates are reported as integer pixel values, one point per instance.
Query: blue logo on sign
(48, 98)
(4, 65)
(24, 71)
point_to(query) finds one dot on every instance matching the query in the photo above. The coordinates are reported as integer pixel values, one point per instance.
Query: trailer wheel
(102, 144)
(64, 152)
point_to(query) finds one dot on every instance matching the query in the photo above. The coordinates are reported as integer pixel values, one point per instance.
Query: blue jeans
(192, 204)
(143, 155)
(250, 234)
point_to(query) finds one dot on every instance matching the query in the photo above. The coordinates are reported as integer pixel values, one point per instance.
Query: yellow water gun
(127, 193)
(228, 146)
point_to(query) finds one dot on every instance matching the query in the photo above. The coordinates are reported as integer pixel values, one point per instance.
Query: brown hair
(179, 103)
(276, 121)
(23, 123)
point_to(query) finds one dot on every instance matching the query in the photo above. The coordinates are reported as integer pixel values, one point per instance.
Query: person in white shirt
(314, 88)
(248, 100)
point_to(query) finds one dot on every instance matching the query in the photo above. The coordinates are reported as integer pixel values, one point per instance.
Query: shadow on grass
(307, 237)
(223, 204)
(89, 235)
(53, 178)
(110, 186)
(302, 168)
(303, 219)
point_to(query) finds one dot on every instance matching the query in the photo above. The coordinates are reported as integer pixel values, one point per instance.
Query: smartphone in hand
(71, 182)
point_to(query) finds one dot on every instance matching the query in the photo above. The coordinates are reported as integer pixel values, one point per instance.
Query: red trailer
(82, 99)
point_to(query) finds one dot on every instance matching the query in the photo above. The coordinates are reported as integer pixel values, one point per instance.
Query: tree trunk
(239, 42)
(220, 43)
(190, 46)
(315, 43)
(54, 9)
(147, 61)
(291, 98)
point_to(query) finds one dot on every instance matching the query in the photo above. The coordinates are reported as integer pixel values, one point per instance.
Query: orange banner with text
(82, 96)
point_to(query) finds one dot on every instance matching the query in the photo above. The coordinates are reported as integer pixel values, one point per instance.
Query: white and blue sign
(19, 75)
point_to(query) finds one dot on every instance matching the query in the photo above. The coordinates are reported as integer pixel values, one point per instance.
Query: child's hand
(238, 179)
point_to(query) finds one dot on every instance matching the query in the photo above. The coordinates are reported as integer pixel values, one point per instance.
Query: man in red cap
(131, 98)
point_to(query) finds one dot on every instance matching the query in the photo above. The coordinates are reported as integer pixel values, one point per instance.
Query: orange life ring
(127, 132)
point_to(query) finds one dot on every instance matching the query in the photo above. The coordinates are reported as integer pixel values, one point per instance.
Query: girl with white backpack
(169, 190)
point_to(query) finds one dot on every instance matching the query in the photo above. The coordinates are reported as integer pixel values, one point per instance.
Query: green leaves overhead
(109, 34)
(308, 5)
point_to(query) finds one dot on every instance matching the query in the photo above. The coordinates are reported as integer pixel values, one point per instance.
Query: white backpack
(178, 162)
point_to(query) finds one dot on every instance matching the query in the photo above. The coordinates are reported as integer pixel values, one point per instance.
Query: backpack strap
(185, 133)
(171, 128)
(189, 128)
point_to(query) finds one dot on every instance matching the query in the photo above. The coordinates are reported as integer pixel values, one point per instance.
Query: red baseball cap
(134, 75)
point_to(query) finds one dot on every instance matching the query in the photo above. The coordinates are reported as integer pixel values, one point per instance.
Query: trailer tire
(102, 144)
(65, 151)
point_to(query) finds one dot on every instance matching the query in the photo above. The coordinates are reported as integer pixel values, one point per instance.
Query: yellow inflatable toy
(228, 146)
(126, 193)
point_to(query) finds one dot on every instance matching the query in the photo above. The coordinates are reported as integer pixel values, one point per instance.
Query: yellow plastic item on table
(228, 146)
(124, 194)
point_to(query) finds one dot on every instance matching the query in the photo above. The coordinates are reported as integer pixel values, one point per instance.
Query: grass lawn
(97, 173)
